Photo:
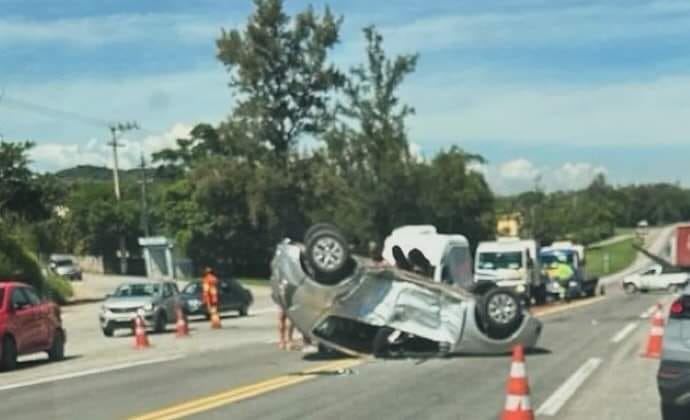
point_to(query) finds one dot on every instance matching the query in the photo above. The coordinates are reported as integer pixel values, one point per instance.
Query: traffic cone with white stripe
(517, 406)
(656, 335)
(181, 326)
(141, 341)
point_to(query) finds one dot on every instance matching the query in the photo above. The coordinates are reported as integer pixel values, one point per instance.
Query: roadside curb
(83, 301)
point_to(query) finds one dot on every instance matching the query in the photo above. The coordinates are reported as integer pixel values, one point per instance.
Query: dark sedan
(232, 296)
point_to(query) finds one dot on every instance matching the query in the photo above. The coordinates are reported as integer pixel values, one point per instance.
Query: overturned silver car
(421, 298)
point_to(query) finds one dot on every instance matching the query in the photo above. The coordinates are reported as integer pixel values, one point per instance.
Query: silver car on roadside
(427, 303)
(156, 301)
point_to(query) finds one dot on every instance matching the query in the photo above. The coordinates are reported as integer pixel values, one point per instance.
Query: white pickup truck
(654, 278)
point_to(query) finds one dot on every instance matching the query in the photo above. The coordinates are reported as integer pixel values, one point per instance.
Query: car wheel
(244, 311)
(673, 289)
(9, 354)
(673, 412)
(57, 350)
(160, 322)
(501, 311)
(328, 255)
(108, 331)
(313, 228)
(630, 288)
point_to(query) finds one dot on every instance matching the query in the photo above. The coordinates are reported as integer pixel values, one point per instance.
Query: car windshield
(500, 260)
(137, 290)
(548, 259)
(63, 263)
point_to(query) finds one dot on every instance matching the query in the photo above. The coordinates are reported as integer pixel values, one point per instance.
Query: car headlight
(520, 288)
(194, 303)
(148, 307)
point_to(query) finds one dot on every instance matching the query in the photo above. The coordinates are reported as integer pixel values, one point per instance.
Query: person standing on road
(209, 283)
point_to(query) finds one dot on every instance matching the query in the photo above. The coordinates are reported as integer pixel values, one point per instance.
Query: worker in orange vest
(210, 295)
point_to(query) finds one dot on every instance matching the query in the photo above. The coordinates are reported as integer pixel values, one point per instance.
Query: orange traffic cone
(656, 335)
(181, 326)
(215, 318)
(517, 389)
(141, 341)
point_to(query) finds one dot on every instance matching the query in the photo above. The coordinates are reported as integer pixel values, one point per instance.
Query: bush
(57, 289)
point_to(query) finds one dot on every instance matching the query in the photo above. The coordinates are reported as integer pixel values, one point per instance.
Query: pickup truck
(654, 278)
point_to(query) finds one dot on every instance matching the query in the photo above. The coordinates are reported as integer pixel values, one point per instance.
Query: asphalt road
(239, 373)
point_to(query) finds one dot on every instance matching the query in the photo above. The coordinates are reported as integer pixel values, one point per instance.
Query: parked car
(655, 278)
(673, 377)
(156, 301)
(28, 325)
(232, 296)
(421, 299)
(66, 267)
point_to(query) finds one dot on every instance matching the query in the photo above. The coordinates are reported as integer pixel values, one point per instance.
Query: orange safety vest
(210, 289)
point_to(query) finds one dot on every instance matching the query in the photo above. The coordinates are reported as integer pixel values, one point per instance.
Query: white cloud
(521, 174)
(102, 30)
(649, 112)
(55, 156)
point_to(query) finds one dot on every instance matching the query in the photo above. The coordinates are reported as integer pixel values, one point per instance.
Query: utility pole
(144, 203)
(115, 130)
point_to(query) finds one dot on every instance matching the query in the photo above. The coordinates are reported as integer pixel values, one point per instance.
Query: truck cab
(510, 263)
(573, 255)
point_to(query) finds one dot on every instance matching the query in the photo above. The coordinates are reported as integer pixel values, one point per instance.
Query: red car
(28, 325)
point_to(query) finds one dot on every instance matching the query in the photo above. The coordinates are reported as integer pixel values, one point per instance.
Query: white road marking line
(624, 332)
(569, 387)
(88, 372)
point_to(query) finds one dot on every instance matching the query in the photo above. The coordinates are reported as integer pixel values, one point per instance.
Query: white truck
(511, 263)
(654, 278)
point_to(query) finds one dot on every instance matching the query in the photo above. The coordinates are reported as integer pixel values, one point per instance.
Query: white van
(512, 263)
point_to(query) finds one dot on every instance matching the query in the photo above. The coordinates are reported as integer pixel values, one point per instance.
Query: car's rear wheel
(244, 311)
(108, 331)
(57, 350)
(630, 288)
(8, 361)
(160, 322)
(328, 255)
(501, 312)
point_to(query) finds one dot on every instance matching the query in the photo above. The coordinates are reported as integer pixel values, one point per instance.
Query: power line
(51, 112)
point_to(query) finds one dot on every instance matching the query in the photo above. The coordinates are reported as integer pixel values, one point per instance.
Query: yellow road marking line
(238, 394)
(566, 307)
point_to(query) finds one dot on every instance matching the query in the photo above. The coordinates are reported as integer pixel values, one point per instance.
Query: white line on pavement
(568, 389)
(624, 332)
(88, 372)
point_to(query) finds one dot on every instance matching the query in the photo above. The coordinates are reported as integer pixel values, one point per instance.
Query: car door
(41, 318)
(228, 296)
(24, 322)
(169, 300)
(646, 278)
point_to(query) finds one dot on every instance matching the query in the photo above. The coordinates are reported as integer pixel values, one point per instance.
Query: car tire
(160, 323)
(501, 311)
(57, 349)
(8, 361)
(328, 255)
(108, 331)
(316, 227)
(630, 288)
(244, 311)
(380, 347)
(673, 412)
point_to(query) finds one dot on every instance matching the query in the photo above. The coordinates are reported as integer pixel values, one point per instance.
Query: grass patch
(620, 256)
(254, 282)
(57, 289)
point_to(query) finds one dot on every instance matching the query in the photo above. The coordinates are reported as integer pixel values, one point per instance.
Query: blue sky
(562, 89)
